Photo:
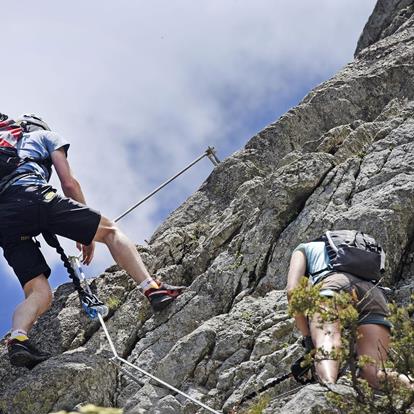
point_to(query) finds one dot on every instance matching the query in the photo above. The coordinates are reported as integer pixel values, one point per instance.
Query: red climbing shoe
(160, 298)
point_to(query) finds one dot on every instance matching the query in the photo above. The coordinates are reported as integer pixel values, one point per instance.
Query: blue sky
(142, 88)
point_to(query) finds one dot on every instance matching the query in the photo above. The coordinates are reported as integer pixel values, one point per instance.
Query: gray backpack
(354, 252)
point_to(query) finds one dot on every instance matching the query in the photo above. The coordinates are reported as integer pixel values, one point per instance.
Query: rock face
(343, 158)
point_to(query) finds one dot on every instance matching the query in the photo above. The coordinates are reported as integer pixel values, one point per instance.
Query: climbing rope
(116, 357)
(210, 153)
(96, 309)
(90, 303)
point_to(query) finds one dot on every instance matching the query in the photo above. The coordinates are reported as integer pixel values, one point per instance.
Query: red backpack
(10, 134)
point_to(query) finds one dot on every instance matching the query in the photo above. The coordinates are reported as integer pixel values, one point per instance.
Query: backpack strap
(321, 271)
(382, 266)
(47, 163)
(323, 238)
(377, 248)
(330, 241)
(15, 178)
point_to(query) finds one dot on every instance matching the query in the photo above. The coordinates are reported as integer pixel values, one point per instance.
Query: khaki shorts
(372, 304)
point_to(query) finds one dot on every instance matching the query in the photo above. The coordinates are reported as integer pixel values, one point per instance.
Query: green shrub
(396, 391)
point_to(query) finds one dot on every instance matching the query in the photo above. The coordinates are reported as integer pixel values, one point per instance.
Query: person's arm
(72, 189)
(70, 185)
(297, 270)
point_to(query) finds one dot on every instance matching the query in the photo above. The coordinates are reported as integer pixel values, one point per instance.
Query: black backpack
(10, 135)
(354, 252)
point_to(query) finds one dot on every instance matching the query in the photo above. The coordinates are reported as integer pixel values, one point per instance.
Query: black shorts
(25, 212)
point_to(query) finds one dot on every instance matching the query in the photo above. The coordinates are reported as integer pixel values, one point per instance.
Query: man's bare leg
(21, 351)
(38, 300)
(122, 250)
(125, 254)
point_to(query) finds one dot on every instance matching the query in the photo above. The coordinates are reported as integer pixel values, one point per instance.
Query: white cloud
(141, 88)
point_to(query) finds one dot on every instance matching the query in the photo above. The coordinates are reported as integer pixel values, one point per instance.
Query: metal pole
(210, 153)
(165, 384)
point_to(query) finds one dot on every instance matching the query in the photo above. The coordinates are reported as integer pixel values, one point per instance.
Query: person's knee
(110, 234)
(326, 371)
(48, 299)
(371, 374)
(107, 231)
(40, 288)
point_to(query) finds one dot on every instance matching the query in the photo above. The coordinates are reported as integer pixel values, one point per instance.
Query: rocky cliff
(343, 158)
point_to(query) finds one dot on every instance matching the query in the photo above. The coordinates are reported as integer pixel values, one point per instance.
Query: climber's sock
(149, 283)
(19, 334)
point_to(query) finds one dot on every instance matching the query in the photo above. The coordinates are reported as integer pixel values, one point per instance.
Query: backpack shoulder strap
(382, 266)
(330, 241)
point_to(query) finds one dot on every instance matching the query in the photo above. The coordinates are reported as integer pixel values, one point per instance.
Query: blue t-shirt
(38, 145)
(316, 259)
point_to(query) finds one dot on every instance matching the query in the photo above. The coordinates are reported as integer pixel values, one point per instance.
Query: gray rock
(61, 383)
(387, 17)
(343, 158)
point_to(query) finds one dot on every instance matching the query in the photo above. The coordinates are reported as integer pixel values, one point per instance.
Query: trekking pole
(210, 153)
(153, 377)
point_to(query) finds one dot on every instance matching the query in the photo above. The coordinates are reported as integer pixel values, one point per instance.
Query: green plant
(261, 404)
(396, 388)
(247, 315)
(113, 303)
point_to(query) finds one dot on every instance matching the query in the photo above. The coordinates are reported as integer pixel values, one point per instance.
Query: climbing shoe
(24, 354)
(161, 297)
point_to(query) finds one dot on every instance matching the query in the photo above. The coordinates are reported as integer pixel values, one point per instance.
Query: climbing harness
(210, 153)
(90, 303)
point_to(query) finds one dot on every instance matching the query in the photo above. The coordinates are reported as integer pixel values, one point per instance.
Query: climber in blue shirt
(373, 326)
(30, 206)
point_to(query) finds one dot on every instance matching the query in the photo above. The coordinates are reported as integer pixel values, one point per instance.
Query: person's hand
(87, 252)
(307, 343)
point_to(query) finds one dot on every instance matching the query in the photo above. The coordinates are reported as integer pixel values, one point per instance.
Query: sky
(141, 88)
